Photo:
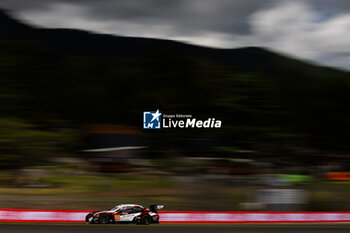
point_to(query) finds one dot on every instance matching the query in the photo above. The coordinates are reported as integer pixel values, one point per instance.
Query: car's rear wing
(155, 208)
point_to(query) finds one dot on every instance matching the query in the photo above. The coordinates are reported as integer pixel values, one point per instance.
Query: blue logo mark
(151, 120)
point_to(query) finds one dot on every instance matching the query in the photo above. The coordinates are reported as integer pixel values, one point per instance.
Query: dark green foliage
(266, 101)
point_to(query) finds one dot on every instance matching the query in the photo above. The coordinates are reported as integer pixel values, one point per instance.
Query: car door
(128, 213)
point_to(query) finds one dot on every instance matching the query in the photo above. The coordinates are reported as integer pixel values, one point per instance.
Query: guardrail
(21, 215)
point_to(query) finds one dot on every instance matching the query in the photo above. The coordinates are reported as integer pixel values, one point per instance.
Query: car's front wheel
(103, 218)
(88, 218)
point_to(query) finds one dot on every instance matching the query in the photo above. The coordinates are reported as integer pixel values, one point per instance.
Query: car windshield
(115, 208)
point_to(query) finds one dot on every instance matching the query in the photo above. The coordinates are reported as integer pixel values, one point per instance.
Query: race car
(125, 213)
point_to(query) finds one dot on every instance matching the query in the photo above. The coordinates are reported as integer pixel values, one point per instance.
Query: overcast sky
(317, 30)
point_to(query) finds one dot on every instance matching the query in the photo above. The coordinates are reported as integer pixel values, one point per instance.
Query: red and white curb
(18, 215)
(254, 217)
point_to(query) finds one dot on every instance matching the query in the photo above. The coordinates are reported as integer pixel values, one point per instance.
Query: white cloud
(297, 28)
(294, 28)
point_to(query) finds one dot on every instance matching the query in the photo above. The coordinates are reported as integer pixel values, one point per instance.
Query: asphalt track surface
(172, 228)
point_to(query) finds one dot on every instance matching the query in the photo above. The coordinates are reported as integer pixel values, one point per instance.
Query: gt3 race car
(125, 213)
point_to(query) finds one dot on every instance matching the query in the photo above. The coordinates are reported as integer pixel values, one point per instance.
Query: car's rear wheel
(146, 219)
(103, 218)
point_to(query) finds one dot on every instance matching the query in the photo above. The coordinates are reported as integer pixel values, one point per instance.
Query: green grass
(105, 190)
(94, 184)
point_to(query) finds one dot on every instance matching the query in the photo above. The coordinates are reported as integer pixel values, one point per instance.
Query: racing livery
(125, 213)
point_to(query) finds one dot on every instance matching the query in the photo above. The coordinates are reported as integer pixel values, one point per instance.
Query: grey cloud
(229, 16)
(184, 15)
(317, 30)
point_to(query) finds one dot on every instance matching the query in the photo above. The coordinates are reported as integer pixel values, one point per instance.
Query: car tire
(103, 219)
(146, 219)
